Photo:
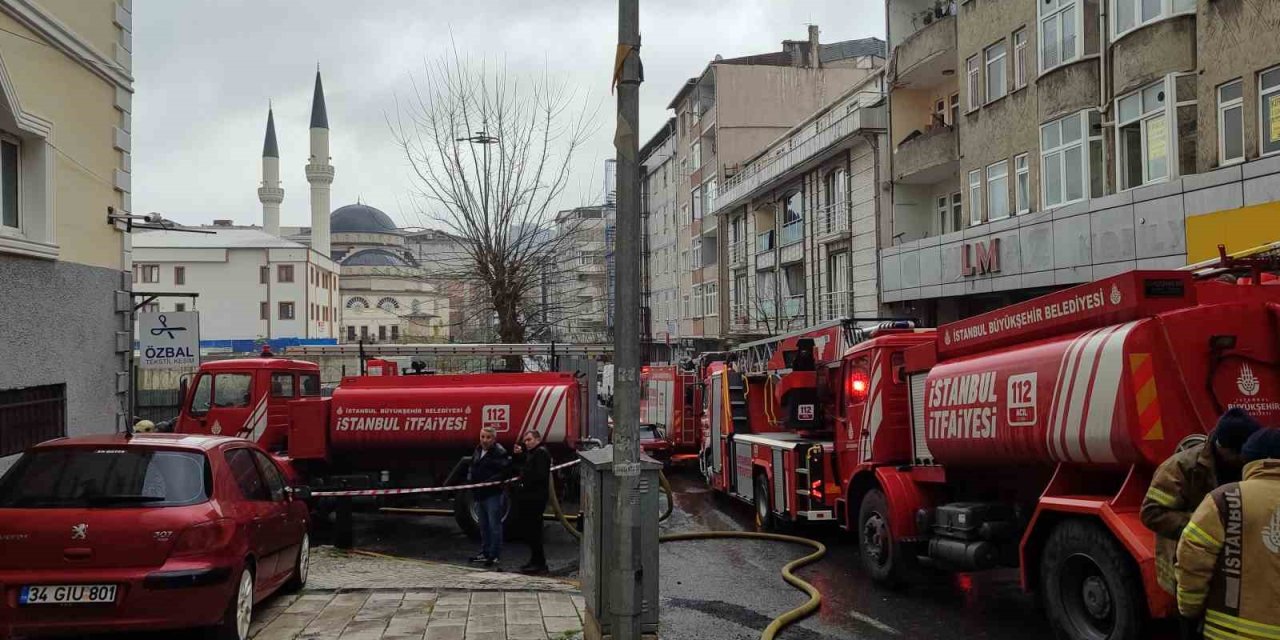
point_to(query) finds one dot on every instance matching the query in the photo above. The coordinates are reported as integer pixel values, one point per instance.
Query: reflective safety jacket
(1179, 486)
(1229, 558)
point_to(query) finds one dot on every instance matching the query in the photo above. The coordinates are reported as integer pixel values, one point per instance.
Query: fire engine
(671, 399)
(1025, 437)
(391, 428)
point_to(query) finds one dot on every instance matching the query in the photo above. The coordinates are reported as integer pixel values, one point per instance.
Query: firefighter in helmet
(1183, 480)
(1229, 554)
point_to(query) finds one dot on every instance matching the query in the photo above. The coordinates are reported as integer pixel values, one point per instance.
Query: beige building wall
(1234, 40)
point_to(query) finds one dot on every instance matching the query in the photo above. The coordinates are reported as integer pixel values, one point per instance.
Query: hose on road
(788, 571)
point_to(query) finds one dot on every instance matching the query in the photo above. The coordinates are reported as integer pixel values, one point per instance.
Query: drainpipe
(1104, 47)
(874, 141)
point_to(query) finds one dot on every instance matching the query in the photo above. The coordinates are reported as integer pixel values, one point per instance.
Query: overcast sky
(204, 71)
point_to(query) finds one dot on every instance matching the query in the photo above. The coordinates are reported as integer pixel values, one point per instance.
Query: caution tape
(415, 490)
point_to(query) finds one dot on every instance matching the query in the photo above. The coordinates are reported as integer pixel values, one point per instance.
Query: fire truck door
(716, 432)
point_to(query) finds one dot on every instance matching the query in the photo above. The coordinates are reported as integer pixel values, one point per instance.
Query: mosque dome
(376, 258)
(360, 218)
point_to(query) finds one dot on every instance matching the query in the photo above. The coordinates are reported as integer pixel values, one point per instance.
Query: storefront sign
(980, 258)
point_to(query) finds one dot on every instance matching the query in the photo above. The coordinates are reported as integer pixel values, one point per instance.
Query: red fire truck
(386, 429)
(670, 399)
(1024, 437)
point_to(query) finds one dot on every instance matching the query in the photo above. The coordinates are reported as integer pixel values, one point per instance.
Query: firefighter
(489, 462)
(1183, 480)
(1229, 554)
(534, 463)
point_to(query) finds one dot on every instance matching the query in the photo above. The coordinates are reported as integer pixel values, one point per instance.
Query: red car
(154, 531)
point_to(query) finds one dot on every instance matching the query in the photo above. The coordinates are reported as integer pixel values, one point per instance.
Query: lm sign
(980, 258)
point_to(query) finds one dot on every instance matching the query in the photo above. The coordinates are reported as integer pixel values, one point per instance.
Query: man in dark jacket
(489, 462)
(534, 463)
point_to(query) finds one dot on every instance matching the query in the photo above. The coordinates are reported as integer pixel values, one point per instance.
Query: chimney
(814, 58)
(795, 50)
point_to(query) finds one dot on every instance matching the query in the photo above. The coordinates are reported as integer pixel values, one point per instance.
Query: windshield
(107, 477)
(649, 432)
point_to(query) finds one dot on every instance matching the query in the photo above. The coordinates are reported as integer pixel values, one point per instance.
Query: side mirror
(301, 492)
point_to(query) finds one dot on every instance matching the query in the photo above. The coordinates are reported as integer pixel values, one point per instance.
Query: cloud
(204, 72)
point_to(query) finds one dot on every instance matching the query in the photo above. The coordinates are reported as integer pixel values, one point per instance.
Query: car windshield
(106, 477)
(649, 432)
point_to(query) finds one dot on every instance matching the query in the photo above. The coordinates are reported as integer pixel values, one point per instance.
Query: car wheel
(1091, 589)
(235, 623)
(301, 567)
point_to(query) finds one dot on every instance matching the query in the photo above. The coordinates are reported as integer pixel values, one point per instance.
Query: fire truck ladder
(487, 349)
(737, 391)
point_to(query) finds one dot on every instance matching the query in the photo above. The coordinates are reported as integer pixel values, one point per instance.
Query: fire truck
(671, 400)
(1025, 437)
(394, 427)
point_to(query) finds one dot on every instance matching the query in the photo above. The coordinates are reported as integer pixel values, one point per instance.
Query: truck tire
(883, 556)
(467, 515)
(765, 520)
(1090, 588)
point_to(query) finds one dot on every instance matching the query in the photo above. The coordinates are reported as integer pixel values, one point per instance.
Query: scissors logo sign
(169, 340)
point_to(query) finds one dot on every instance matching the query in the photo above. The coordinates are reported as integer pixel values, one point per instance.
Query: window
(270, 472)
(711, 295)
(264, 310)
(1230, 122)
(1022, 184)
(1131, 14)
(838, 271)
(1060, 22)
(389, 304)
(957, 211)
(971, 71)
(975, 197)
(248, 478)
(364, 333)
(998, 190)
(695, 152)
(940, 112)
(282, 385)
(357, 302)
(151, 307)
(310, 384)
(78, 477)
(395, 332)
(684, 307)
(1269, 111)
(30, 416)
(1067, 166)
(954, 100)
(180, 306)
(284, 273)
(696, 198)
(1019, 58)
(944, 214)
(286, 311)
(9, 184)
(150, 273)
(696, 254)
(351, 333)
(264, 273)
(1142, 137)
(179, 275)
(382, 332)
(997, 86)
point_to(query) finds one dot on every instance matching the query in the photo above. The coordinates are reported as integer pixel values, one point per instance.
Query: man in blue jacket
(489, 462)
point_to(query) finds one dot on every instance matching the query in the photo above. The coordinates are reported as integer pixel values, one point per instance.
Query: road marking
(868, 620)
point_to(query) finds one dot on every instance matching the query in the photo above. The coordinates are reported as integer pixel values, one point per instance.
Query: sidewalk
(421, 615)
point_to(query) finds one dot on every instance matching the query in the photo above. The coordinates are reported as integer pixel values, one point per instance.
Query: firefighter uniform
(1180, 484)
(1229, 557)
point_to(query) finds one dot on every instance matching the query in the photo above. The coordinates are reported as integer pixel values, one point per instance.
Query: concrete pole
(626, 581)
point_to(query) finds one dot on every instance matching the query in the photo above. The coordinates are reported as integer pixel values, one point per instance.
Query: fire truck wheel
(764, 513)
(1090, 587)
(882, 555)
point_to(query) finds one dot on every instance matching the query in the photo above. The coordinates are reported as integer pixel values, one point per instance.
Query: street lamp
(483, 139)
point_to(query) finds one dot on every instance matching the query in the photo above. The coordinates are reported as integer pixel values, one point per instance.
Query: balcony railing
(828, 129)
(833, 305)
(793, 306)
(738, 253)
(740, 317)
(792, 232)
(833, 218)
(764, 241)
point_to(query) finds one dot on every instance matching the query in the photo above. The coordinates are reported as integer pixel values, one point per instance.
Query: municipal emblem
(1246, 382)
(946, 337)
(1115, 294)
(79, 531)
(1271, 533)
(216, 429)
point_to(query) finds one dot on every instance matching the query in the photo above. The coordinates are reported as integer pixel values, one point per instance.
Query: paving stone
(451, 632)
(486, 635)
(364, 630)
(557, 605)
(311, 603)
(286, 626)
(408, 625)
(526, 632)
(420, 596)
(561, 624)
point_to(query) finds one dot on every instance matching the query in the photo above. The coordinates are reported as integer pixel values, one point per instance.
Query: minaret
(319, 171)
(270, 194)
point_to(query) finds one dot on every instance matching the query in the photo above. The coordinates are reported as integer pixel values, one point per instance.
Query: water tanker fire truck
(671, 400)
(1025, 437)
(386, 429)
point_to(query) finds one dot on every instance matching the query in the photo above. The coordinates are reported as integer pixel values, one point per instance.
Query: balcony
(927, 158)
(765, 246)
(833, 305)
(833, 218)
(793, 307)
(863, 111)
(740, 318)
(792, 232)
(738, 253)
(919, 61)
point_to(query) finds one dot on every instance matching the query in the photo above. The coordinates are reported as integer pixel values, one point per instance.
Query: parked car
(653, 442)
(154, 531)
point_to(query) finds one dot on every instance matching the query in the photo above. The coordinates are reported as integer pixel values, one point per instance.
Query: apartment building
(800, 221)
(66, 94)
(1041, 143)
(723, 117)
(659, 282)
(580, 296)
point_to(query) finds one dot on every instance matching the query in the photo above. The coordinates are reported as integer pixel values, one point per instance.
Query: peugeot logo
(79, 531)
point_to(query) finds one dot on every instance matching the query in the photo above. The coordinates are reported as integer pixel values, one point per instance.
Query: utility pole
(625, 583)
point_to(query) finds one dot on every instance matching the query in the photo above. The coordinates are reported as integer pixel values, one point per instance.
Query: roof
(319, 116)
(163, 440)
(360, 218)
(846, 49)
(375, 258)
(219, 239)
(668, 128)
(269, 147)
(258, 363)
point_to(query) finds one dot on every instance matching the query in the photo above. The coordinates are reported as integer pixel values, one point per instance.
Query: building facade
(1038, 144)
(800, 222)
(579, 285)
(66, 91)
(255, 286)
(723, 118)
(659, 290)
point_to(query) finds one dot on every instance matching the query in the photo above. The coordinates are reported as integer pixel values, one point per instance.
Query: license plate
(68, 594)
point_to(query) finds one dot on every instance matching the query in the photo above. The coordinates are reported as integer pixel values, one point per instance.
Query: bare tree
(492, 154)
